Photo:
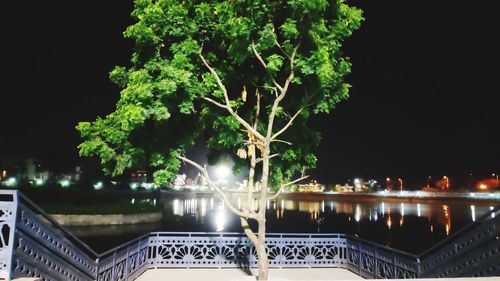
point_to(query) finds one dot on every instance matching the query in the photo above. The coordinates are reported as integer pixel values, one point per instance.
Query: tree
(247, 74)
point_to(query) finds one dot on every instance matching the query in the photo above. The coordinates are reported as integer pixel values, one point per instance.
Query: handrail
(485, 217)
(122, 246)
(383, 247)
(63, 229)
(226, 234)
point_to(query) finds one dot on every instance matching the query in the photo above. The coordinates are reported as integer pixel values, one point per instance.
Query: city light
(447, 182)
(148, 185)
(11, 182)
(64, 183)
(98, 185)
(39, 182)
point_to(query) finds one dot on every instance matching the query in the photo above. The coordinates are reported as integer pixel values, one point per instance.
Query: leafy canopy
(161, 110)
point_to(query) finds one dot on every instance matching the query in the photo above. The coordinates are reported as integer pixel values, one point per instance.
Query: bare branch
(290, 122)
(285, 185)
(215, 102)
(263, 63)
(217, 78)
(282, 93)
(281, 49)
(226, 98)
(292, 68)
(270, 156)
(251, 178)
(218, 190)
(257, 109)
(282, 141)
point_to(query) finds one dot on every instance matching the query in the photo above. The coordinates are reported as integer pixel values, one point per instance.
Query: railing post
(8, 217)
(96, 275)
(395, 266)
(156, 251)
(359, 257)
(113, 269)
(418, 268)
(138, 258)
(126, 263)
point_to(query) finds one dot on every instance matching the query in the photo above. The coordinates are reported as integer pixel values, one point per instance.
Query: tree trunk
(261, 244)
(261, 252)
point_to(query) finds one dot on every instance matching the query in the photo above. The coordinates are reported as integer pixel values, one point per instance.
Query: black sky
(424, 101)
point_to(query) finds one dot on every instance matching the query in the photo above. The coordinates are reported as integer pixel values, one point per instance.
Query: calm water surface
(408, 226)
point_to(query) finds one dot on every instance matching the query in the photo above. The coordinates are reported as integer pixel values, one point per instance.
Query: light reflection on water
(388, 220)
(371, 211)
(405, 225)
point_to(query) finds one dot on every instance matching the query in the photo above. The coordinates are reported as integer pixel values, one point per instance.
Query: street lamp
(401, 183)
(222, 171)
(388, 182)
(495, 175)
(429, 178)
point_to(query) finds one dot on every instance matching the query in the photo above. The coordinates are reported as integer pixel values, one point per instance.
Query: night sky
(424, 101)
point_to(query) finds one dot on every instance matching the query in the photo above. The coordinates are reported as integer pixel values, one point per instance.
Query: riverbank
(114, 219)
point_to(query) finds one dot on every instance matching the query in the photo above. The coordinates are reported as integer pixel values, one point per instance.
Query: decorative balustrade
(33, 244)
(473, 251)
(371, 260)
(42, 247)
(8, 214)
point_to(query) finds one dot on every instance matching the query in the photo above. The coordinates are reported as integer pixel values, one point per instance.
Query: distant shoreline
(411, 196)
(109, 219)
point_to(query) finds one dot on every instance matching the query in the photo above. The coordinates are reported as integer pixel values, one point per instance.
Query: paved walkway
(232, 274)
(288, 274)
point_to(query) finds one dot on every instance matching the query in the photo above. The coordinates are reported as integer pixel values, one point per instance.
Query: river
(407, 225)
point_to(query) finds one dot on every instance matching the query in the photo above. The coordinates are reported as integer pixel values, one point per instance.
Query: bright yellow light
(483, 186)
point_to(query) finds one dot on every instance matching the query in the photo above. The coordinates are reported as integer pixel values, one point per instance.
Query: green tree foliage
(163, 106)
